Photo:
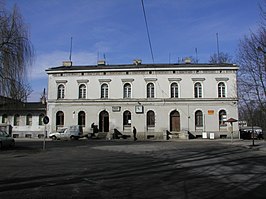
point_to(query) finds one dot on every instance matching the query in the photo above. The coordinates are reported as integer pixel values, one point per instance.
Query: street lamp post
(45, 119)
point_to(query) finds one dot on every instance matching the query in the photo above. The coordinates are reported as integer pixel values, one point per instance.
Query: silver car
(6, 140)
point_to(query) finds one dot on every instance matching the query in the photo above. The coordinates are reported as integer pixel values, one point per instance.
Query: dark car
(249, 133)
(6, 140)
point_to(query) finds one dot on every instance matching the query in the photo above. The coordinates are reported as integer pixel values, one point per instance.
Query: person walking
(134, 133)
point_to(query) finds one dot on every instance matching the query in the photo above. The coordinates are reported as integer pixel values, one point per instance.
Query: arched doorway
(104, 121)
(175, 121)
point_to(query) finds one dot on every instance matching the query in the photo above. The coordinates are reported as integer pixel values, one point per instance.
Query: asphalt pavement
(128, 169)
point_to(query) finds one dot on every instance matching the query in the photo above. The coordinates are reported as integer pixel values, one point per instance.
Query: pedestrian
(134, 133)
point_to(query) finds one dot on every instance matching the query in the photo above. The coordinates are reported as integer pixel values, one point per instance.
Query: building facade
(24, 118)
(188, 100)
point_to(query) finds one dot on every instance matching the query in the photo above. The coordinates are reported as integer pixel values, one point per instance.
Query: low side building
(25, 118)
(188, 100)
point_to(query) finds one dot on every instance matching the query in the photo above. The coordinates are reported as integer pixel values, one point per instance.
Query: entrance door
(174, 121)
(104, 121)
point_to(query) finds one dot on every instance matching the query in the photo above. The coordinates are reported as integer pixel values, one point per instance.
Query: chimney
(101, 63)
(67, 63)
(187, 60)
(137, 61)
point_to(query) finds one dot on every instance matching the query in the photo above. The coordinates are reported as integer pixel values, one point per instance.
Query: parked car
(72, 132)
(247, 133)
(6, 140)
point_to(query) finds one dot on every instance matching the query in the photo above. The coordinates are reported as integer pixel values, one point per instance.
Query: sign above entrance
(116, 108)
(139, 109)
(210, 112)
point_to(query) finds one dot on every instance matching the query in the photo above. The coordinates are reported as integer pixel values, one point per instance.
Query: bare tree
(16, 53)
(252, 73)
(222, 58)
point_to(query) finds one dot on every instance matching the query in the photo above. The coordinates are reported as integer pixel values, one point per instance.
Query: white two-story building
(185, 99)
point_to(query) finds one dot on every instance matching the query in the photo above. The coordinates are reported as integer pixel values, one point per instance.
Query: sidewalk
(258, 144)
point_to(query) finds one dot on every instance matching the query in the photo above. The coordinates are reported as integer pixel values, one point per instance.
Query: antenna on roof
(218, 50)
(196, 51)
(70, 53)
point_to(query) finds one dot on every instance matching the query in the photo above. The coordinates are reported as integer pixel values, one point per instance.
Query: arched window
(222, 118)
(81, 118)
(4, 118)
(82, 91)
(127, 118)
(197, 90)
(174, 90)
(221, 89)
(16, 120)
(127, 90)
(104, 91)
(29, 120)
(41, 116)
(150, 119)
(61, 92)
(150, 90)
(59, 118)
(198, 118)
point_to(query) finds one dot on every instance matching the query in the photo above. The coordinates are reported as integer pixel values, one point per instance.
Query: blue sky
(116, 29)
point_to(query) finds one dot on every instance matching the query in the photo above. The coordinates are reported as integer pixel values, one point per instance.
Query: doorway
(175, 121)
(104, 121)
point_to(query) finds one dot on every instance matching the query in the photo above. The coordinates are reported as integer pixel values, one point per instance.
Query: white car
(72, 132)
(6, 140)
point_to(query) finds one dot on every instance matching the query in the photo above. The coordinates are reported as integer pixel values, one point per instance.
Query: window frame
(16, 120)
(127, 118)
(150, 90)
(60, 118)
(82, 118)
(104, 91)
(221, 90)
(29, 119)
(127, 90)
(150, 118)
(221, 121)
(61, 91)
(82, 91)
(174, 90)
(198, 90)
(199, 118)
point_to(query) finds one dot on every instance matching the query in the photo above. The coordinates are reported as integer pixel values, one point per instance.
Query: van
(73, 132)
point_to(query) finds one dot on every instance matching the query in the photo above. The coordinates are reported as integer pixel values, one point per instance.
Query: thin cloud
(54, 59)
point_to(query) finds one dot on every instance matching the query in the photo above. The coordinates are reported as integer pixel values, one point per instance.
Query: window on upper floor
(150, 119)
(82, 91)
(4, 118)
(197, 90)
(127, 118)
(150, 90)
(174, 90)
(41, 116)
(61, 92)
(221, 90)
(29, 120)
(60, 118)
(198, 118)
(104, 91)
(16, 120)
(81, 118)
(127, 90)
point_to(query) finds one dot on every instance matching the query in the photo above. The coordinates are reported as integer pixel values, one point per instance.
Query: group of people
(95, 130)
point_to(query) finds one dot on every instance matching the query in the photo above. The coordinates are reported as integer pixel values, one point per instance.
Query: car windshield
(62, 131)
(3, 134)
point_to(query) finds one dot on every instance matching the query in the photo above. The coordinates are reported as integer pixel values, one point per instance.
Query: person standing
(134, 133)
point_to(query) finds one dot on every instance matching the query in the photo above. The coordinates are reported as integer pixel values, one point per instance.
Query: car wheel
(12, 144)
(53, 138)
(72, 137)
